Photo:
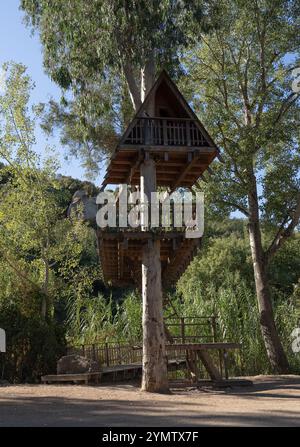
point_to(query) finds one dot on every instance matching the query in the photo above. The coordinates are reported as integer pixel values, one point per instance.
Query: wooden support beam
(185, 170)
(209, 365)
(134, 168)
(173, 149)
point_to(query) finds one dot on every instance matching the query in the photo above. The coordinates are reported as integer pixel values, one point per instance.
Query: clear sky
(18, 45)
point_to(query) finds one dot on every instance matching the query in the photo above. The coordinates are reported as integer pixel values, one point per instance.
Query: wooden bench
(75, 378)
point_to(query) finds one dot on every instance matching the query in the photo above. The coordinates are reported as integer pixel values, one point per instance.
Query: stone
(76, 364)
(83, 206)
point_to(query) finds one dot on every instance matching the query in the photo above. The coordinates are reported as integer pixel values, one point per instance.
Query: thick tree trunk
(271, 339)
(155, 374)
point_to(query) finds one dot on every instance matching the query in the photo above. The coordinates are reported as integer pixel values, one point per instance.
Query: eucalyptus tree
(241, 81)
(104, 55)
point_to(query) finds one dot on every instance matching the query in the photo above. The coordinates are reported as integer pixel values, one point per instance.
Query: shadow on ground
(260, 405)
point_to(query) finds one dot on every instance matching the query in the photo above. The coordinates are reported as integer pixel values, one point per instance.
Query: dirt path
(272, 401)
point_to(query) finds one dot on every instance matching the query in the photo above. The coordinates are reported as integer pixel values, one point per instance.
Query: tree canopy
(100, 52)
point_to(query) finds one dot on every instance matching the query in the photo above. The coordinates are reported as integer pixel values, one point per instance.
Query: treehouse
(166, 130)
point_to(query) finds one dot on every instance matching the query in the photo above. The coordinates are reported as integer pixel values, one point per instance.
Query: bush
(33, 346)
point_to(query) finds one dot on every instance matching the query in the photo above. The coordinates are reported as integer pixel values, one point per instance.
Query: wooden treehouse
(165, 146)
(167, 130)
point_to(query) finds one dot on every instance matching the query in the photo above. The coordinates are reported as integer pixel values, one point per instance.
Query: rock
(76, 364)
(83, 206)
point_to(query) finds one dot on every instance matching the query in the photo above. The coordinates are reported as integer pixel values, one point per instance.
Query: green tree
(220, 282)
(241, 81)
(104, 55)
(46, 260)
(40, 246)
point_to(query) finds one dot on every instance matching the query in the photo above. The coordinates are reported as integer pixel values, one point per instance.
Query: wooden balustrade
(165, 132)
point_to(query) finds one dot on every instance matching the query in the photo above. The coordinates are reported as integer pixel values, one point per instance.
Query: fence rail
(108, 354)
(165, 132)
(181, 329)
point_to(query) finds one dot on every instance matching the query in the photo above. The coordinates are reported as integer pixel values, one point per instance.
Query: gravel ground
(272, 401)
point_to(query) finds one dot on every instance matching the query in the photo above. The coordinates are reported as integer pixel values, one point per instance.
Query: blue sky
(18, 45)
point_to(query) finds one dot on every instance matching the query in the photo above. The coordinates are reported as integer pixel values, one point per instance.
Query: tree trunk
(134, 91)
(45, 298)
(147, 79)
(155, 374)
(271, 339)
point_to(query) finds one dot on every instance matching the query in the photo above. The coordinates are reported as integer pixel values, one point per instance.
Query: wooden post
(214, 332)
(165, 132)
(155, 373)
(225, 354)
(182, 330)
(188, 133)
(106, 354)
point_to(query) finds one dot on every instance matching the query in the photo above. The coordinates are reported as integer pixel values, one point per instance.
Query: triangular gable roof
(194, 150)
(164, 77)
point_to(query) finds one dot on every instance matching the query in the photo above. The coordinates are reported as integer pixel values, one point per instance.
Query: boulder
(83, 206)
(76, 364)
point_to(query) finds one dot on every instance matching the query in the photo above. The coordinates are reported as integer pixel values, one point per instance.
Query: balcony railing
(165, 132)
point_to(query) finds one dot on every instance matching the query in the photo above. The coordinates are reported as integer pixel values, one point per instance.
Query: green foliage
(240, 83)
(96, 319)
(93, 48)
(220, 282)
(44, 258)
(33, 345)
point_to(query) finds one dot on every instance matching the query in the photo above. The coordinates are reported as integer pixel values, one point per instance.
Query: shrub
(33, 346)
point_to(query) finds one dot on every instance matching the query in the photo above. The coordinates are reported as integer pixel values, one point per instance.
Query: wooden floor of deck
(96, 376)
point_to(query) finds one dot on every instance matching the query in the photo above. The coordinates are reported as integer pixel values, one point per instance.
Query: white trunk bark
(147, 80)
(155, 374)
(134, 91)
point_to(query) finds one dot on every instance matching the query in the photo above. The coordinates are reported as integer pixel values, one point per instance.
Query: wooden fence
(109, 353)
(181, 330)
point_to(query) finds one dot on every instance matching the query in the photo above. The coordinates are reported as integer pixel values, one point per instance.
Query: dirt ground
(272, 401)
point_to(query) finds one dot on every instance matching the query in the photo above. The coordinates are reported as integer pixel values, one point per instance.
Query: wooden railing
(109, 353)
(165, 132)
(182, 329)
(193, 329)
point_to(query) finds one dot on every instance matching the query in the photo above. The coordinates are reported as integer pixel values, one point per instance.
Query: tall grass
(98, 320)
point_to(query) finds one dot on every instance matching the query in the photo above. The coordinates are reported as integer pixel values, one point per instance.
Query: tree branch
(286, 105)
(283, 232)
(134, 91)
(237, 206)
(19, 272)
